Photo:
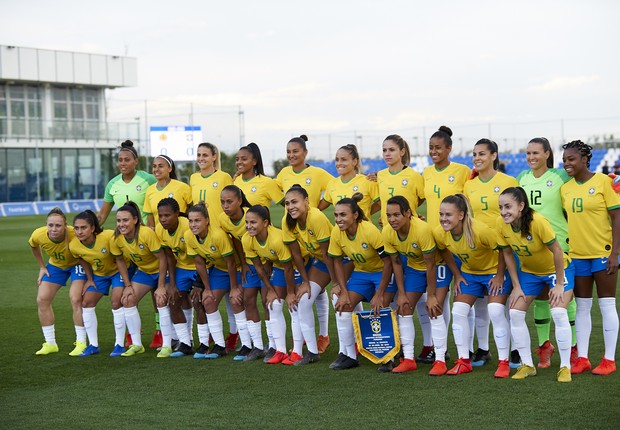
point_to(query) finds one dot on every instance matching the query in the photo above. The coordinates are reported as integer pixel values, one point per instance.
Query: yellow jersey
(178, 190)
(59, 254)
(260, 190)
(208, 189)
(362, 249)
(407, 183)
(483, 196)
(316, 231)
(313, 179)
(589, 224)
(479, 260)
(273, 249)
(141, 250)
(439, 184)
(337, 190)
(98, 255)
(215, 246)
(175, 241)
(535, 256)
(418, 242)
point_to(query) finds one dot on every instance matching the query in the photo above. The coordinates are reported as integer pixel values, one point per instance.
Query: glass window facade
(21, 110)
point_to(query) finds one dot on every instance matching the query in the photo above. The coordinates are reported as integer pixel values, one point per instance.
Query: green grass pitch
(99, 392)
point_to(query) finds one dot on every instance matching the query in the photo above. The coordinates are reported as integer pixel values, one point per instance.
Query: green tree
(228, 163)
(279, 165)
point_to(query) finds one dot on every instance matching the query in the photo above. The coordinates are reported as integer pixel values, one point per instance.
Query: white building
(55, 142)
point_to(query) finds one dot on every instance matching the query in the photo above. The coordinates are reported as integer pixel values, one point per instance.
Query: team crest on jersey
(375, 325)
(591, 191)
(365, 245)
(182, 240)
(138, 187)
(550, 183)
(104, 250)
(310, 232)
(141, 246)
(405, 182)
(171, 195)
(496, 189)
(415, 246)
(272, 252)
(529, 237)
(308, 181)
(451, 179)
(253, 189)
(215, 184)
(355, 188)
(213, 248)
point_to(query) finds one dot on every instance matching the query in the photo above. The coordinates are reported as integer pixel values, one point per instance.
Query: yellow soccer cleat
(524, 371)
(47, 348)
(164, 352)
(133, 350)
(564, 375)
(79, 348)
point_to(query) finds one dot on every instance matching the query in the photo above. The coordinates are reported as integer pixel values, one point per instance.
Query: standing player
(543, 266)
(542, 185)
(593, 209)
(250, 178)
(483, 193)
(54, 239)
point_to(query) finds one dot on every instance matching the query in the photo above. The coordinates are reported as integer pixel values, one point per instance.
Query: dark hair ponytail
(91, 218)
(238, 192)
(301, 140)
(352, 203)
(291, 223)
(261, 211)
(492, 147)
(546, 148)
(170, 161)
(134, 210)
(527, 214)
(253, 149)
(444, 133)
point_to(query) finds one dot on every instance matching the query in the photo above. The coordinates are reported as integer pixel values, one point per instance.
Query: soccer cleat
(574, 355)
(128, 341)
(202, 351)
(544, 353)
(182, 350)
(308, 358)
(427, 355)
(606, 367)
(462, 365)
(515, 359)
(133, 350)
(90, 350)
(581, 365)
(347, 363)
(292, 359)
(255, 354)
(564, 374)
(243, 352)
(481, 357)
(79, 348)
(47, 348)
(231, 341)
(216, 352)
(270, 353)
(407, 365)
(164, 352)
(339, 358)
(277, 358)
(117, 351)
(439, 368)
(503, 369)
(524, 371)
(322, 343)
(157, 340)
(174, 344)
(386, 367)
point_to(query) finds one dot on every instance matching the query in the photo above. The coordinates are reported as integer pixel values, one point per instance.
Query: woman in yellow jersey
(250, 177)
(543, 266)
(129, 184)
(442, 179)
(350, 182)
(232, 221)
(210, 246)
(483, 192)
(307, 228)
(593, 209)
(140, 245)
(475, 244)
(313, 179)
(171, 230)
(206, 186)
(91, 245)
(54, 239)
(264, 245)
(167, 185)
(409, 237)
(358, 239)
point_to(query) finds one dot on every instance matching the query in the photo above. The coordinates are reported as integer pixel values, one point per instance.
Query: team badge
(253, 189)
(310, 232)
(451, 179)
(550, 183)
(171, 195)
(365, 245)
(529, 237)
(182, 240)
(138, 187)
(104, 250)
(272, 252)
(375, 325)
(591, 191)
(405, 182)
(213, 248)
(415, 246)
(308, 181)
(215, 184)
(355, 188)
(141, 246)
(496, 189)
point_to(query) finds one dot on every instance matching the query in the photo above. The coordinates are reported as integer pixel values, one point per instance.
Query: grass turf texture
(58, 391)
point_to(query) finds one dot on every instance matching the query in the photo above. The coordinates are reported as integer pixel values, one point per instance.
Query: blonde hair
(462, 204)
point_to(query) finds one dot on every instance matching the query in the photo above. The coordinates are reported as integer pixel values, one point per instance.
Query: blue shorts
(477, 285)
(103, 283)
(415, 280)
(278, 279)
(532, 285)
(59, 276)
(588, 266)
(252, 280)
(218, 279)
(315, 262)
(365, 284)
(151, 280)
(184, 279)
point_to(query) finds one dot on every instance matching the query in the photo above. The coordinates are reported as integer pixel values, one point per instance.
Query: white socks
(278, 325)
(501, 329)
(425, 322)
(216, 326)
(49, 334)
(242, 329)
(346, 336)
(306, 316)
(563, 335)
(471, 323)
(255, 333)
(203, 333)
(298, 337)
(583, 325)
(80, 333)
(342, 349)
(134, 325)
(165, 325)
(521, 336)
(118, 316)
(446, 311)
(322, 312)
(232, 323)
(189, 320)
(482, 321)
(440, 337)
(610, 325)
(272, 342)
(90, 325)
(407, 335)
(460, 328)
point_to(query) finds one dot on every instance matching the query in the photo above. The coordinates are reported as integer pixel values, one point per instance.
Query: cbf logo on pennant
(377, 335)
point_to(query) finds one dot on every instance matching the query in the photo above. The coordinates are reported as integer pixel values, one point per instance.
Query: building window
(20, 110)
